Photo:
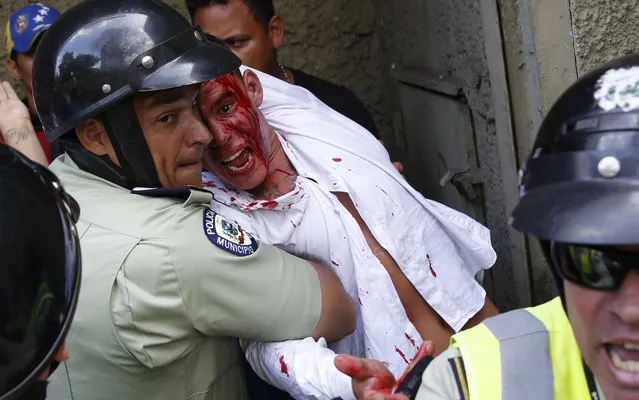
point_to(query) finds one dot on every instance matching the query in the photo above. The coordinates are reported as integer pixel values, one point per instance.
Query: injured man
(296, 174)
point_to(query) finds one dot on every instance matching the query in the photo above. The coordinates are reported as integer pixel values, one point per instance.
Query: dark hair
(262, 10)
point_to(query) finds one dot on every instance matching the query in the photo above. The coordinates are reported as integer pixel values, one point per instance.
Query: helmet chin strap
(130, 145)
(137, 168)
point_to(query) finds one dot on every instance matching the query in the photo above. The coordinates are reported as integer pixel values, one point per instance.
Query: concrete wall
(604, 29)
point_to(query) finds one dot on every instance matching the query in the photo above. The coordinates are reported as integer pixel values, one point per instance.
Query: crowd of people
(215, 225)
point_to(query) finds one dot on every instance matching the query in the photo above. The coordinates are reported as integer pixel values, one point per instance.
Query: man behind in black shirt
(254, 33)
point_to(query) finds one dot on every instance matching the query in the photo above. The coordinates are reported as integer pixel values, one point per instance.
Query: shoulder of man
(339, 98)
(445, 378)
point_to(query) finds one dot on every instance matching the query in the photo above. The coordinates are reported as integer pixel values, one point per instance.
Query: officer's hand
(13, 113)
(371, 379)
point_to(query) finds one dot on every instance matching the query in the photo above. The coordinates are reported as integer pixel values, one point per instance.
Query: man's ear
(94, 137)
(14, 70)
(254, 87)
(276, 31)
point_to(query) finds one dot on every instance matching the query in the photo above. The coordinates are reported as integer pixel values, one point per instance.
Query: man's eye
(226, 109)
(236, 43)
(165, 119)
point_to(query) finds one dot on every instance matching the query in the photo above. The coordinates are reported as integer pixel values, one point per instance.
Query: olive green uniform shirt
(165, 292)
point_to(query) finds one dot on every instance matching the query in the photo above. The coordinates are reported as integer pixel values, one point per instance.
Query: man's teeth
(629, 366)
(631, 346)
(233, 157)
(232, 168)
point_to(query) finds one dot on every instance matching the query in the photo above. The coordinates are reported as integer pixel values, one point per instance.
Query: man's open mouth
(624, 356)
(239, 161)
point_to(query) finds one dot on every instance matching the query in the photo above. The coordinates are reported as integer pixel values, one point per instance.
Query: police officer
(168, 285)
(580, 199)
(39, 274)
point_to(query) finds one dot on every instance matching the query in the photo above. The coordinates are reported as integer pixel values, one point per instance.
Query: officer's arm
(232, 285)
(338, 310)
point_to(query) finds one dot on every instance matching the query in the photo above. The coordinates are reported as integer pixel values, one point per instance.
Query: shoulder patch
(227, 234)
(457, 365)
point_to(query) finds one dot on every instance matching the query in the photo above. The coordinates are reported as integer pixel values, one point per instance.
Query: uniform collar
(190, 194)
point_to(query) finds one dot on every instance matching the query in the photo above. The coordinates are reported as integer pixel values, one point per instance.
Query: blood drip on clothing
(401, 354)
(270, 204)
(337, 159)
(283, 366)
(410, 339)
(430, 266)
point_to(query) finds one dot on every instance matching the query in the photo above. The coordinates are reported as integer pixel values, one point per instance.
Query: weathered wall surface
(604, 29)
(337, 40)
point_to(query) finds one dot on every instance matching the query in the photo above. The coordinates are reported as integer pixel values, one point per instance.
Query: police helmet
(39, 270)
(579, 191)
(98, 54)
(581, 183)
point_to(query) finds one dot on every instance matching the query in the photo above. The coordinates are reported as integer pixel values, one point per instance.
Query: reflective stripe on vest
(524, 354)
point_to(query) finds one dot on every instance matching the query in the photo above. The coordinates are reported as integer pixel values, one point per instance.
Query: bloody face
(238, 152)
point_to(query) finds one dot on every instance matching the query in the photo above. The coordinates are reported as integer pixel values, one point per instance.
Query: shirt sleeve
(232, 285)
(303, 368)
(444, 379)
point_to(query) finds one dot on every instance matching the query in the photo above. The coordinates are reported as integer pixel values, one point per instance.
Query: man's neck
(279, 71)
(281, 175)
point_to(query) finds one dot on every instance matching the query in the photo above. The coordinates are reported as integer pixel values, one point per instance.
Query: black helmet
(581, 183)
(39, 269)
(99, 53)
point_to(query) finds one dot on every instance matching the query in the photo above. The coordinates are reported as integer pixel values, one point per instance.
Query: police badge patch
(228, 235)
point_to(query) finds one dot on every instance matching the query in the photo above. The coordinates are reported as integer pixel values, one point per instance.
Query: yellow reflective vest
(523, 354)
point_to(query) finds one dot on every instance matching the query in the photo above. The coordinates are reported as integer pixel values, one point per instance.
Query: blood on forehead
(230, 82)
